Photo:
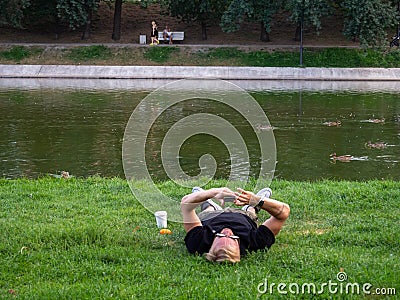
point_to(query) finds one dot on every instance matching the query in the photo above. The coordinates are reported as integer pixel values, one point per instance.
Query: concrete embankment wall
(180, 72)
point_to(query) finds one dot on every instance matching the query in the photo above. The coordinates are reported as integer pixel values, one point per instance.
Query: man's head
(225, 247)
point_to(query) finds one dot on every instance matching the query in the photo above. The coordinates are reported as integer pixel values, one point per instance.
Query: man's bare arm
(278, 210)
(191, 201)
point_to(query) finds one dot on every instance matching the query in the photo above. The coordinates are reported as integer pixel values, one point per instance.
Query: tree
(43, 13)
(202, 11)
(368, 20)
(396, 3)
(308, 12)
(77, 13)
(261, 11)
(12, 12)
(74, 13)
(23, 13)
(116, 35)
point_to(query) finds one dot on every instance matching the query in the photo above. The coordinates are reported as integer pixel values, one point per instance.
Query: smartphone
(229, 198)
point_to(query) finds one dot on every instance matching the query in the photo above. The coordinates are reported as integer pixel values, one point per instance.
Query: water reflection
(45, 131)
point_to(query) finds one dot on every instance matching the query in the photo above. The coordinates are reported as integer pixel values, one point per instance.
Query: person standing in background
(154, 33)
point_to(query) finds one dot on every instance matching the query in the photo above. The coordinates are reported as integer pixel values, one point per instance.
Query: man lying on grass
(226, 234)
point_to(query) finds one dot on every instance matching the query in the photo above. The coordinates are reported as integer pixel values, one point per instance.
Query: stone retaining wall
(180, 72)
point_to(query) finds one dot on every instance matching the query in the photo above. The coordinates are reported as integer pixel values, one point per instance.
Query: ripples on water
(46, 131)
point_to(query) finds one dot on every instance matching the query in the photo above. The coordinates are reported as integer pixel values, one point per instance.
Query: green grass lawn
(91, 239)
(187, 56)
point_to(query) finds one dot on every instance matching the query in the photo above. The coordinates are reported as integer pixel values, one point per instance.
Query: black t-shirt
(199, 239)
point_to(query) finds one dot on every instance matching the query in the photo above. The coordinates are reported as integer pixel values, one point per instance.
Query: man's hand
(191, 201)
(222, 193)
(245, 197)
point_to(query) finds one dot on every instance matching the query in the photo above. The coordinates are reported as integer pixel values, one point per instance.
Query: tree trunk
(86, 33)
(57, 29)
(203, 30)
(298, 32)
(264, 36)
(116, 35)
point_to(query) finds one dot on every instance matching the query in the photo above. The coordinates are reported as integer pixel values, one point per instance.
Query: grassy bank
(91, 239)
(187, 56)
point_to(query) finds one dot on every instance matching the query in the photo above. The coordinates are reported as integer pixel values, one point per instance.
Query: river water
(46, 130)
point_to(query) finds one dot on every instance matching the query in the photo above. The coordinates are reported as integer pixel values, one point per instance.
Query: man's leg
(208, 205)
(209, 209)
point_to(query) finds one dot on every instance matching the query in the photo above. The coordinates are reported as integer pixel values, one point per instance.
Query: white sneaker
(197, 189)
(265, 193)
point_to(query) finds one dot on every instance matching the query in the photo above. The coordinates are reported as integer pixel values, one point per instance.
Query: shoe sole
(265, 192)
(197, 189)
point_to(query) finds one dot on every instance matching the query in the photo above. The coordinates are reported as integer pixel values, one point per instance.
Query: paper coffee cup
(161, 218)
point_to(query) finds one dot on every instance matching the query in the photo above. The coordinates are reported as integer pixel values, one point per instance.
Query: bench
(176, 36)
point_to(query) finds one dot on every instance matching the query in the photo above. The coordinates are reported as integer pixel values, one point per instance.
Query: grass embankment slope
(91, 239)
(200, 56)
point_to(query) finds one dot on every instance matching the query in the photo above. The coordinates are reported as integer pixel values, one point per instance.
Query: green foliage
(235, 15)
(76, 13)
(96, 52)
(393, 59)
(272, 59)
(333, 57)
(256, 11)
(16, 53)
(228, 56)
(190, 10)
(41, 11)
(330, 57)
(202, 11)
(160, 54)
(254, 58)
(311, 11)
(12, 12)
(91, 239)
(338, 57)
(368, 20)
